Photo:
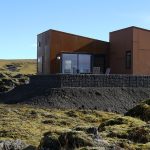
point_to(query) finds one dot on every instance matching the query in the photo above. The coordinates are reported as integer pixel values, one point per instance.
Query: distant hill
(18, 66)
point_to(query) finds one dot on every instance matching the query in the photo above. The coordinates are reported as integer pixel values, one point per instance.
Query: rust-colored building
(127, 52)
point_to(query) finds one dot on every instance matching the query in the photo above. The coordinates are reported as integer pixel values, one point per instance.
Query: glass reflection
(84, 63)
(69, 63)
(76, 63)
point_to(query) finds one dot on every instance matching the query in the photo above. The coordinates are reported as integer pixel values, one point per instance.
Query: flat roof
(131, 27)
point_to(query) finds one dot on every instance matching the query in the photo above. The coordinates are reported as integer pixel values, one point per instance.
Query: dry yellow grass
(24, 66)
(30, 123)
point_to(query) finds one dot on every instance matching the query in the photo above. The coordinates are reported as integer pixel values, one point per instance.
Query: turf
(30, 123)
(22, 66)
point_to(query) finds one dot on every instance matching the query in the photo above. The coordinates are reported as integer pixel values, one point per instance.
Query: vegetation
(13, 67)
(30, 124)
(141, 111)
(15, 72)
(69, 129)
(9, 81)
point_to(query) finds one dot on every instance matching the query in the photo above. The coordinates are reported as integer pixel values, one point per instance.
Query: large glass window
(84, 63)
(76, 63)
(69, 63)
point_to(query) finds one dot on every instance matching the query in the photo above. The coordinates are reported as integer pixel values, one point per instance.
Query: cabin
(126, 52)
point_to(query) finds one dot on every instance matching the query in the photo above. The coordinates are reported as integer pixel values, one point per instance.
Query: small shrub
(140, 135)
(71, 114)
(141, 111)
(111, 122)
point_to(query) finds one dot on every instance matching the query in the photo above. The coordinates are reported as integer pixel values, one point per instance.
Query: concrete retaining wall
(90, 81)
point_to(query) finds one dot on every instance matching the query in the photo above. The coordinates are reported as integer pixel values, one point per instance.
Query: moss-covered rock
(141, 111)
(67, 140)
(9, 82)
(140, 134)
(50, 141)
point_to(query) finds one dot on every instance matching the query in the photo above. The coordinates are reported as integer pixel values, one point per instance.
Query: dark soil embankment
(108, 99)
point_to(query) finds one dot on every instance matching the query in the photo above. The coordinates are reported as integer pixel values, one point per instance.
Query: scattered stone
(92, 130)
(75, 140)
(15, 145)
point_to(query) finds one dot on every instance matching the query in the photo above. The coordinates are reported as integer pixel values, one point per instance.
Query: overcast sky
(22, 20)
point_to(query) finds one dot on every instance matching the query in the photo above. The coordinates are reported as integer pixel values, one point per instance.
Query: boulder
(73, 140)
(141, 111)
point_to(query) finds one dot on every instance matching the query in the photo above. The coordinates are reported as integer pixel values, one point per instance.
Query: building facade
(127, 52)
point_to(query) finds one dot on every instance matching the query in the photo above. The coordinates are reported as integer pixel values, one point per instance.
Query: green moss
(140, 134)
(141, 111)
(29, 124)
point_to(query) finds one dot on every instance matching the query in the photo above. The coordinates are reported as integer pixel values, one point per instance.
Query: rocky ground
(69, 129)
(107, 99)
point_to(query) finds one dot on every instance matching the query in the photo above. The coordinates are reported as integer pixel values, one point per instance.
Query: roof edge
(53, 30)
(131, 27)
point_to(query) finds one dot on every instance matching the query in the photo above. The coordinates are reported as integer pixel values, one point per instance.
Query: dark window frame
(39, 44)
(128, 59)
(78, 53)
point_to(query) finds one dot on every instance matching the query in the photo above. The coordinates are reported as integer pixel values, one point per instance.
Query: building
(127, 52)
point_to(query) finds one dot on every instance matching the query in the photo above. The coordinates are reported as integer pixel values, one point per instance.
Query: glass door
(76, 63)
(84, 63)
(69, 63)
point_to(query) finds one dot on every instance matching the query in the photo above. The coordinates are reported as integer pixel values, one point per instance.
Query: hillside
(22, 66)
(30, 124)
(31, 115)
(15, 72)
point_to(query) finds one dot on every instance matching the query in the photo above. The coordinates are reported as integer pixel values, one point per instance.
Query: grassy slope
(26, 66)
(29, 124)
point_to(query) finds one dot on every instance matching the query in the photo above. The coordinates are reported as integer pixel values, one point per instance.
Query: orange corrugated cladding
(133, 39)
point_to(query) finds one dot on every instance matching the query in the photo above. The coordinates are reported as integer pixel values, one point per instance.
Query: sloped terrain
(71, 129)
(108, 99)
(18, 66)
(141, 111)
(14, 89)
(8, 81)
(77, 122)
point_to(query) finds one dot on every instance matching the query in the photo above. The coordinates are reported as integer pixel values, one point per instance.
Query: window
(76, 63)
(84, 61)
(69, 63)
(39, 44)
(128, 60)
